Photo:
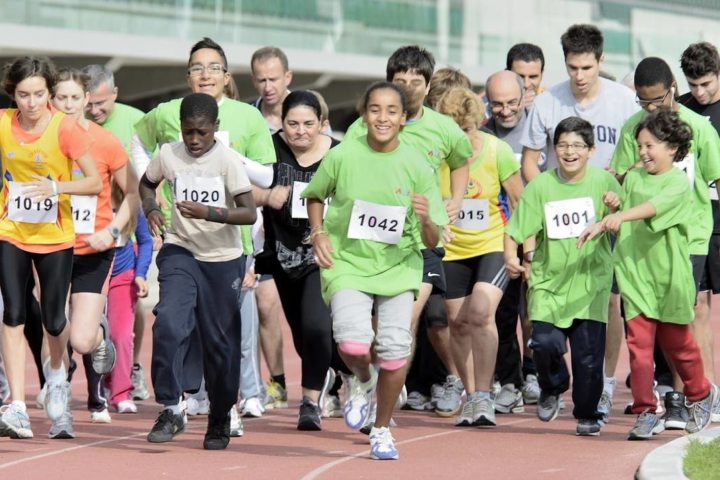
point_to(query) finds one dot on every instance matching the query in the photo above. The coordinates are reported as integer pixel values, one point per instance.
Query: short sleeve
(671, 204)
(74, 140)
(460, 147)
(527, 218)
(323, 182)
(626, 152)
(427, 186)
(708, 147)
(146, 130)
(507, 164)
(357, 129)
(534, 133)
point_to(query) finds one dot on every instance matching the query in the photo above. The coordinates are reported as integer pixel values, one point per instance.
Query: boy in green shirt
(654, 273)
(386, 207)
(568, 288)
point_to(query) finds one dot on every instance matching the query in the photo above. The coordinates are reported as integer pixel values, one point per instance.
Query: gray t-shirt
(513, 137)
(213, 179)
(608, 113)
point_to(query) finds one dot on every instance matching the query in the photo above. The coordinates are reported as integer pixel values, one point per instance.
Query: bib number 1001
(568, 218)
(574, 218)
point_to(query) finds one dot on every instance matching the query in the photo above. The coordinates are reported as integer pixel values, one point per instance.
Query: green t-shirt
(435, 135)
(353, 173)
(242, 125)
(566, 283)
(702, 166)
(121, 123)
(652, 261)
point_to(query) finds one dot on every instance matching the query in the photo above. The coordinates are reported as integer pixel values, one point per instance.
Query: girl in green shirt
(652, 265)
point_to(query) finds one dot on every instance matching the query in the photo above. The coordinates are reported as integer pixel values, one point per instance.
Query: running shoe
(309, 416)
(126, 406)
(701, 411)
(332, 407)
(103, 357)
(437, 390)
(62, 428)
(605, 406)
(251, 407)
(357, 405)
(588, 427)
(167, 425)
(449, 404)
(236, 425)
(509, 400)
(101, 416)
(484, 413)
(14, 422)
(531, 390)
(382, 444)
(417, 401)
(646, 425)
(197, 406)
(57, 400)
(275, 396)
(548, 407)
(327, 385)
(467, 414)
(217, 436)
(137, 377)
(676, 413)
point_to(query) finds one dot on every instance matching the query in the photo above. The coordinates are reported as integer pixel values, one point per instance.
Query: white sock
(609, 385)
(55, 375)
(20, 405)
(175, 409)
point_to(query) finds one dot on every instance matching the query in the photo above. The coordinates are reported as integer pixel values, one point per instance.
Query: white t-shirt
(212, 179)
(608, 113)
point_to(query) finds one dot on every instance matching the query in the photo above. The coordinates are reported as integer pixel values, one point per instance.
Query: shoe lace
(382, 439)
(467, 409)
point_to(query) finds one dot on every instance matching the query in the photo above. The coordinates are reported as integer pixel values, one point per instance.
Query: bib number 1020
(199, 196)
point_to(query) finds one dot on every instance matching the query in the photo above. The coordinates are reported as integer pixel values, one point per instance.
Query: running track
(430, 447)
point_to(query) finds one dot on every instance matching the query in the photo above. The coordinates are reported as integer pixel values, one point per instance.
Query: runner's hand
(192, 210)
(611, 200)
(323, 251)
(101, 241)
(156, 223)
(142, 287)
(278, 196)
(513, 267)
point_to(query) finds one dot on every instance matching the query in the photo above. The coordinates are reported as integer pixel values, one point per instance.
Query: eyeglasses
(499, 107)
(212, 69)
(577, 147)
(655, 101)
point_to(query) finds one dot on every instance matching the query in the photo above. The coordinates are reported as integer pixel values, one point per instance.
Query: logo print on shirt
(435, 152)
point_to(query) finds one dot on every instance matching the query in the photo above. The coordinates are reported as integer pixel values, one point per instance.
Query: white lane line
(312, 475)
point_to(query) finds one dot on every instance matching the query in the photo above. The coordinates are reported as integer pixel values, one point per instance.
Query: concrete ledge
(666, 462)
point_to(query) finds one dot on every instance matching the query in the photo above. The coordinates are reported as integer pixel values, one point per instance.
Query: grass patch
(702, 460)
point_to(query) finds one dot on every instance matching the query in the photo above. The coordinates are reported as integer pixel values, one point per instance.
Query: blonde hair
(462, 105)
(443, 80)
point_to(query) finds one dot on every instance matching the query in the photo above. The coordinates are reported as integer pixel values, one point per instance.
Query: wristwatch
(528, 256)
(114, 232)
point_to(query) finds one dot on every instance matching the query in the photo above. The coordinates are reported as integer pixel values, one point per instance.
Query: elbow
(96, 187)
(252, 216)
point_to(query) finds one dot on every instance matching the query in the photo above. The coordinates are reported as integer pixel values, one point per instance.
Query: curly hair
(666, 126)
(462, 105)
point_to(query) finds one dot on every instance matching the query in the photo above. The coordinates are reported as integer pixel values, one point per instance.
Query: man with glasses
(656, 87)
(242, 127)
(607, 106)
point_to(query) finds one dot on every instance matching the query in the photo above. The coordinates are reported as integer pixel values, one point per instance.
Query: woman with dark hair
(300, 147)
(39, 146)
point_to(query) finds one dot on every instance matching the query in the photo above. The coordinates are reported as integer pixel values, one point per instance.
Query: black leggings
(311, 326)
(54, 272)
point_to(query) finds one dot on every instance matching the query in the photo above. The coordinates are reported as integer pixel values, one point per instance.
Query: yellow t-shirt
(481, 223)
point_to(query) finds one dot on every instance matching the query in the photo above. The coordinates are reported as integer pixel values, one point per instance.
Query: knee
(545, 343)
(83, 343)
(55, 327)
(354, 349)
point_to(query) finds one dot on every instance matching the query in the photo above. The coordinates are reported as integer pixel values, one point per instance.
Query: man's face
(506, 103)
(583, 70)
(652, 97)
(416, 88)
(207, 73)
(271, 80)
(101, 104)
(531, 73)
(705, 89)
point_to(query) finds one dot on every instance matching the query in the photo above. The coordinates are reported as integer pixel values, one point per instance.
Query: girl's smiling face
(657, 156)
(384, 116)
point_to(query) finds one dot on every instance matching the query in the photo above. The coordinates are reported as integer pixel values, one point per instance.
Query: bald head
(504, 90)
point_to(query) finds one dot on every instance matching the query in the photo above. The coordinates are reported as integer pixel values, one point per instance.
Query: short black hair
(207, 42)
(299, 98)
(362, 104)
(26, 67)
(582, 38)
(410, 58)
(666, 126)
(199, 105)
(577, 125)
(700, 59)
(653, 71)
(525, 52)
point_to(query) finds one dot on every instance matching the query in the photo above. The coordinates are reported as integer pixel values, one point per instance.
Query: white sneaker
(126, 406)
(252, 407)
(40, 399)
(14, 422)
(402, 398)
(236, 425)
(103, 416)
(197, 407)
(359, 402)
(57, 400)
(332, 407)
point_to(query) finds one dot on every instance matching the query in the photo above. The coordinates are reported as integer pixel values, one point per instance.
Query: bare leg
(271, 317)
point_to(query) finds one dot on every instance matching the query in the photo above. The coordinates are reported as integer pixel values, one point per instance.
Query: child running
(386, 207)
(568, 288)
(198, 264)
(654, 273)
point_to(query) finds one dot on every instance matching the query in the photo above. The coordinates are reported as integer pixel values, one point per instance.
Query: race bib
(687, 165)
(206, 190)
(713, 191)
(474, 214)
(380, 223)
(23, 209)
(568, 218)
(299, 204)
(84, 208)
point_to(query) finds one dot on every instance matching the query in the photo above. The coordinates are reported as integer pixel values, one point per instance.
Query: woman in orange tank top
(38, 146)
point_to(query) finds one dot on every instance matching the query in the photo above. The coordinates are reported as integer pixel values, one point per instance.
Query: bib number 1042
(380, 223)
(568, 218)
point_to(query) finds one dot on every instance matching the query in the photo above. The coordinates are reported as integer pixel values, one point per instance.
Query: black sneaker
(588, 427)
(676, 413)
(217, 436)
(166, 427)
(309, 417)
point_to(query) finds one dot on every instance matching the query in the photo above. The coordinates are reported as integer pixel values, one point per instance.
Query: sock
(609, 385)
(55, 376)
(175, 409)
(279, 379)
(480, 395)
(21, 405)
